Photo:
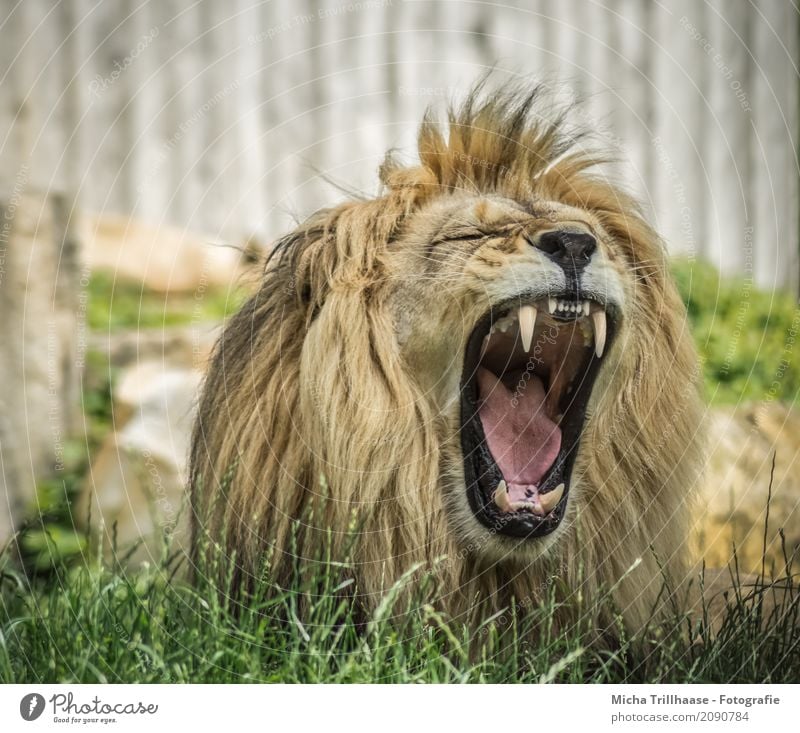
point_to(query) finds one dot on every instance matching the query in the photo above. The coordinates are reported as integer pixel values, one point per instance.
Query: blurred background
(152, 151)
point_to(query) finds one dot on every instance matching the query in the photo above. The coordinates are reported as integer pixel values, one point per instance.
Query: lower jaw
(482, 474)
(520, 524)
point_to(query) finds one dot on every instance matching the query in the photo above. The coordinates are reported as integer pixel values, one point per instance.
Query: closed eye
(455, 235)
(468, 233)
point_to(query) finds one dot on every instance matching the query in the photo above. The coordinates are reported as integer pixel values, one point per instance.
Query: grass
(51, 537)
(92, 623)
(114, 304)
(744, 336)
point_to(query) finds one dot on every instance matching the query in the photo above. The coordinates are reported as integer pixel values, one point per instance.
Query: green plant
(115, 303)
(747, 338)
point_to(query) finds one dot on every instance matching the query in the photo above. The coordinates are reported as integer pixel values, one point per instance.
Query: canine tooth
(551, 305)
(500, 496)
(599, 320)
(586, 307)
(527, 322)
(551, 498)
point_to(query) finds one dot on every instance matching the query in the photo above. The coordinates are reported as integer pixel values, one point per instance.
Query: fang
(551, 498)
(599, 321)
(527, 322)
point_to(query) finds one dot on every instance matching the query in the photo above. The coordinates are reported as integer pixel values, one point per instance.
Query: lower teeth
(541, 505)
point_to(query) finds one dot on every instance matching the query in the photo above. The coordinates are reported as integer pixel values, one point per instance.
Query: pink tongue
(523, 440)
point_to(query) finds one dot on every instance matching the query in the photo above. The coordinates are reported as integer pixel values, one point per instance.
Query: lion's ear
(410, 187)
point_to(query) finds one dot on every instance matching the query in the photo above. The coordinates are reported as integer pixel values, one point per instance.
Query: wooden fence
(223, 116)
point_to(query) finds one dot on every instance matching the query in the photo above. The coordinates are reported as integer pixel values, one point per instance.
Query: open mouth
(529, 370)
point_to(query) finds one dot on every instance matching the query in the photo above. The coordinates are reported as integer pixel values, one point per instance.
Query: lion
(486, 367)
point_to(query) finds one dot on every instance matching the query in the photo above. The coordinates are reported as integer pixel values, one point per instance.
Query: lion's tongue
(523, 440)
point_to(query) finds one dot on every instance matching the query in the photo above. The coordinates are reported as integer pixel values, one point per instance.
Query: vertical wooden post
(730, 128)
(39, 389)
(248, 125)
(774, 176)
(680, 71)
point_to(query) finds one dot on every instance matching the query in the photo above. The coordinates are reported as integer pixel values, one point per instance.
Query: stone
(187, 346)
(137, 481)
(742, 442)
(163, 258)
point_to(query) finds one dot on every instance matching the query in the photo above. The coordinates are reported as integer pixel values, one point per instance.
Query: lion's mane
(310, 423)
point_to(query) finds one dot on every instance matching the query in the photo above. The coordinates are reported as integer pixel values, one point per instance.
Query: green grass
(92, 623)
(747, 338)
(114, 304)
(51, 538)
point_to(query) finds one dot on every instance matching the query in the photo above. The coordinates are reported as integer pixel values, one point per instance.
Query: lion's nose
(568, 249)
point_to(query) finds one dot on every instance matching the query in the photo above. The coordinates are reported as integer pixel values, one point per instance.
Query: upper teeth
(525, 319)
(599, 320)
(568, 306)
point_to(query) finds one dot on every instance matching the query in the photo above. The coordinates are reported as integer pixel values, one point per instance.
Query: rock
(138, 479)
(184, 346)
(163, 258)
(145, 391)
(736, 487)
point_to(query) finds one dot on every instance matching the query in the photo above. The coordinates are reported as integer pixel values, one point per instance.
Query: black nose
(568, 249)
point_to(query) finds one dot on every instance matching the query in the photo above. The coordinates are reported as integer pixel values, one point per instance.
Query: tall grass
(95, 623)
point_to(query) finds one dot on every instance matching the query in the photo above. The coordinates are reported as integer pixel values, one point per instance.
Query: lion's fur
(310, 400)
